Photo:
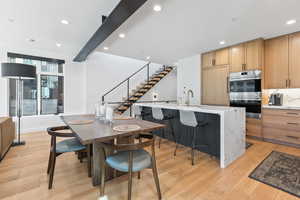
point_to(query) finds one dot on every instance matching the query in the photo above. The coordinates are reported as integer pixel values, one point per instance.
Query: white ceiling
(187, 27)
(40, 20)
(183, 28)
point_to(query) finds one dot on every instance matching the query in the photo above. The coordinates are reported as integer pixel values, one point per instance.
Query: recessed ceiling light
(122, 35)
(11, 20)
(58, 44)
(290, 22)
(222, 42)
(31, 40)
(148, 57)
(105, 48)
(157, 8)
(64, 21)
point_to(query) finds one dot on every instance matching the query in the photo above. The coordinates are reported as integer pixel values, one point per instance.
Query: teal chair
(131, 158)
(64, 146)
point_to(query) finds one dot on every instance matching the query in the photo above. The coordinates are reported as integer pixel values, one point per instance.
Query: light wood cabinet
(222, 57)
(237, 58)
(253, 127)
(247, 56)
(277, 62)
(294, 61)
(208, 59)
(254, 54)
(281, 125)
(215, 86)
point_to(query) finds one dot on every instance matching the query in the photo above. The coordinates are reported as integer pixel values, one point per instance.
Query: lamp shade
(17, 70)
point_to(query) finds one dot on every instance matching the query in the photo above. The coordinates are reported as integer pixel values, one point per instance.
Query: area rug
(279, 170)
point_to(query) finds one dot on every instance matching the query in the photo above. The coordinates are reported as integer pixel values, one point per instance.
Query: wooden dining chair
(64, 146)
(131, 158)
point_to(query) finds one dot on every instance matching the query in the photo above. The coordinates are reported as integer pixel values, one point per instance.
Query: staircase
(140, 90)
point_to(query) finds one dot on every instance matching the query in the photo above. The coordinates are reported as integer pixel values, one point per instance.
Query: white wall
(74, 89)
(189, 76)
(104, 71)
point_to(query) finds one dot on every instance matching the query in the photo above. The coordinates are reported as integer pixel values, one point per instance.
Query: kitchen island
(227, 127)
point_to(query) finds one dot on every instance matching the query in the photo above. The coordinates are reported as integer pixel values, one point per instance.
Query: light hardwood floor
(23, 176)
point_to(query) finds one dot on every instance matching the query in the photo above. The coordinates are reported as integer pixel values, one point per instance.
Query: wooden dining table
(96, 131)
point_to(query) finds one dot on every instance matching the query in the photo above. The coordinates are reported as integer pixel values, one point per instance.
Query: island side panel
(233, 138)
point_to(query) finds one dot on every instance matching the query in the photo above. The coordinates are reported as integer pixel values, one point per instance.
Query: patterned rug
(280, 170)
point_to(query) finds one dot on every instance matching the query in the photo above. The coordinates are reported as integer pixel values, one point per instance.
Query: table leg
(98, 159)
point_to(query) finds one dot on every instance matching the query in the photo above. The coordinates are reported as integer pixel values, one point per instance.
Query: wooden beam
(117, 17)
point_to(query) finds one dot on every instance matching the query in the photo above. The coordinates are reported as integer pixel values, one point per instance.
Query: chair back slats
(188, 118)
(60, 131)
(157, 113)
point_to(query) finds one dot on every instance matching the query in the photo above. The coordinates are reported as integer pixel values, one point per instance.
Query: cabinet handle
(293, 137)
(289, 83)
(213, 62)
(290, 113)
(227, 84)
(290, 123)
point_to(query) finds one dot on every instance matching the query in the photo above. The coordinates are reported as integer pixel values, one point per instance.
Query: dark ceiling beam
(117, 17)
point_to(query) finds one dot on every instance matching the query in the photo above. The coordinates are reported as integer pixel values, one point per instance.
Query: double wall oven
(245, 91)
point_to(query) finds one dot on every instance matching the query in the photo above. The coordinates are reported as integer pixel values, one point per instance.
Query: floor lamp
(19, 72)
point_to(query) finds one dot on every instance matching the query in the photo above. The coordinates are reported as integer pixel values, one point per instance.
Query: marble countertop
(282, 107)
(195, 108)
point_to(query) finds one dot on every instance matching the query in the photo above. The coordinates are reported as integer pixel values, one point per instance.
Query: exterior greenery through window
(43, 95)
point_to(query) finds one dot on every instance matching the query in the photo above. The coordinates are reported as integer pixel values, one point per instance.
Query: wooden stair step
(138, 94)
(164, 72)
(147, 86)
(143, 90)
(168, 69)
(122, 108)
(156, 79)
(152, 82)
(133, 99)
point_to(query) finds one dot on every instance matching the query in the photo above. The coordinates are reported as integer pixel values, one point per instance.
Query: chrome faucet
(188, 96)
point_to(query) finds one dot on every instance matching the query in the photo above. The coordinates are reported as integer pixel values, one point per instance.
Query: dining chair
(159, 116)
(131, 158)
(64, 146)
(189, 121)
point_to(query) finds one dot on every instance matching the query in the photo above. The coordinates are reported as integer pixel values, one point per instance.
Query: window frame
(39, 73)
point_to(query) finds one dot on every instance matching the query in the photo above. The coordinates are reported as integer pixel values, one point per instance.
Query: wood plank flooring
(23, 175)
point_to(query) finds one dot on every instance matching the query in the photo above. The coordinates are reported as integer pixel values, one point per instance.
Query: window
(40, 96)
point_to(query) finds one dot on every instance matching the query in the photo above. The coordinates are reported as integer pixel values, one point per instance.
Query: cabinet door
(294, 61)
(254, 54)
(237, 58)
(208, 86)
(222, 57)
(276, 63)
(208, 59)
(215, 86)
(221, 85)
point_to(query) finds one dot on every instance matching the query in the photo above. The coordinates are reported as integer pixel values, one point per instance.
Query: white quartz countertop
(282, 107)
(195, 108)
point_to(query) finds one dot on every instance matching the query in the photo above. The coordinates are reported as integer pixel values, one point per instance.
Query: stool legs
(193, 146)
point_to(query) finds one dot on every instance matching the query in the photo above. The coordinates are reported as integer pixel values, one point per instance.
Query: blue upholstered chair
(64, 146)
(189, 121)
(131, 158)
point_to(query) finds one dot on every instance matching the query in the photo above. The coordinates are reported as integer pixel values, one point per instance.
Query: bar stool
(189, 121)
(159, 116)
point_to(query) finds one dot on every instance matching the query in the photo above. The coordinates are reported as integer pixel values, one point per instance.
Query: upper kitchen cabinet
(254, 54)
(277, 63)
(208, 59)
(222, 57)
(294, 61)
(215, 58)
(237, 58)
(247, 56)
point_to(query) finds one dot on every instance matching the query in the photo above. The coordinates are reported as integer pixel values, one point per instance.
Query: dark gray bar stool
(189, 121)
(159, 116)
